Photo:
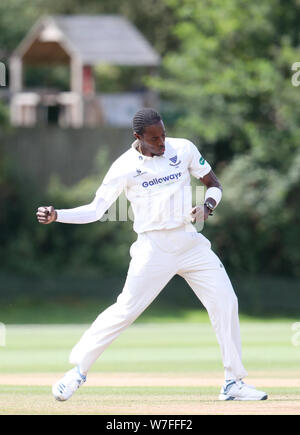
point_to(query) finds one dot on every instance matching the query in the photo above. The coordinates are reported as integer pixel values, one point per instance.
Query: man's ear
(137, 136)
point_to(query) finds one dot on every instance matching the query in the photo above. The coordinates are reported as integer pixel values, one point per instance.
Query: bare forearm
(214, 189)
(211, 180)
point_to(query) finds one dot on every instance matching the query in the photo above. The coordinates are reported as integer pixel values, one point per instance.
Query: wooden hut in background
(81, 42)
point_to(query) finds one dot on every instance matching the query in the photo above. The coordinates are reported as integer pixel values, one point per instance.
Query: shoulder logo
(201, 161)
(174, 161)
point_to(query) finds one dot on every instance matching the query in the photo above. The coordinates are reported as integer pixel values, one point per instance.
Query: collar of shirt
(141, 157)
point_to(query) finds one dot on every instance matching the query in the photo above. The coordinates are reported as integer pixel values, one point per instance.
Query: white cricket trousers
(156, 257)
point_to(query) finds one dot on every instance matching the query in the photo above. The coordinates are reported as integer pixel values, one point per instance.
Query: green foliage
(231, 77)
(229, 88)
(4, 114)
(57, 77)
(97, 249)
(256, 227)
(101, 248)
(16, 17)
(112, 78)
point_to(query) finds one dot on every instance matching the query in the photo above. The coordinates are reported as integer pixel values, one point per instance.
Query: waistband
(189, 228)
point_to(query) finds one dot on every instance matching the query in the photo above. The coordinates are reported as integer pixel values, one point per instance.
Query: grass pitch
(164, 368)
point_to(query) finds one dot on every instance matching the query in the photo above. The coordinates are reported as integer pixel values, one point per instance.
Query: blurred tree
(112, 78)
(42, 76)
(16, 18)
(256, 227)
(229, 89)
(4, 114)
(230, 79)
(28, 248)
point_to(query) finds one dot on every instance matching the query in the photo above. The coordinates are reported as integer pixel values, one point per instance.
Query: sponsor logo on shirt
(174, 161)
(201, 161)
(139, 172)
(160, 180)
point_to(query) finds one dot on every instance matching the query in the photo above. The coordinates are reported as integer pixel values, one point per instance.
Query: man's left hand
(200, 213)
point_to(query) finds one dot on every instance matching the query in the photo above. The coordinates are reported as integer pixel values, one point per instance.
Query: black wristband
(210, 208)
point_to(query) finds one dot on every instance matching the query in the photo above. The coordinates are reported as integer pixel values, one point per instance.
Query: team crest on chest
(174, 161)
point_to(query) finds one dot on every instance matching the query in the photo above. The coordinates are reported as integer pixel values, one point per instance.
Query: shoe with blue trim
(66, 387)
(238, 390)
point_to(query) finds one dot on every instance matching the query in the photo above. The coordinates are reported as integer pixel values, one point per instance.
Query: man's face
(153, 139)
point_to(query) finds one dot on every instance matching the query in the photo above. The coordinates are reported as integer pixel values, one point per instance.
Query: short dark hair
(143, 118)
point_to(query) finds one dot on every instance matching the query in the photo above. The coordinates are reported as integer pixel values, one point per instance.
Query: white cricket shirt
(158, 187)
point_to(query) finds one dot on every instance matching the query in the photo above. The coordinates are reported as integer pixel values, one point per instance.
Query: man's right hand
(46, 215)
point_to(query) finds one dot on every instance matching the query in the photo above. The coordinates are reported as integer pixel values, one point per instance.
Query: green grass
(182, 348)
(79, 311)
(151, 347)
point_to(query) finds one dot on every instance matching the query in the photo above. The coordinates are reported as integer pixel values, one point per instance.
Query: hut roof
(93, 38)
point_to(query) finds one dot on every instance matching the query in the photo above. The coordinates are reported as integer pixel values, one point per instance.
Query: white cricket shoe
(238, 390)
(66, 386)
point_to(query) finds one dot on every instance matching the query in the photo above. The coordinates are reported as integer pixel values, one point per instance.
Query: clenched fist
(46, 215)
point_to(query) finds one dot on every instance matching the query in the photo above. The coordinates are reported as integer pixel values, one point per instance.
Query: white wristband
(215, 193)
